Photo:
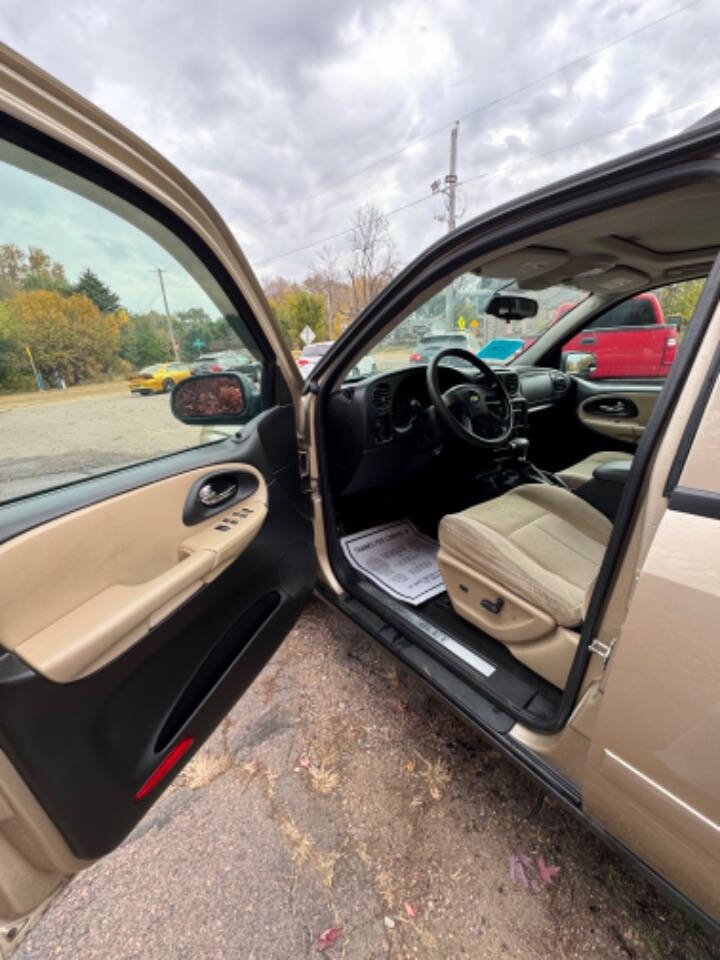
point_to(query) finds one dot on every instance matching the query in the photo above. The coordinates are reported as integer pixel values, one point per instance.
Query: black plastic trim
(195, 511)
(701, 503)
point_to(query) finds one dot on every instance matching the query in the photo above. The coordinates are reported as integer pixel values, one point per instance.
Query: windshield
(457, 316)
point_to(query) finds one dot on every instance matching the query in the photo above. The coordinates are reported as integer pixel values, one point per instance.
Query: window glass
(637, 339)
(458, 316)
(102, 312)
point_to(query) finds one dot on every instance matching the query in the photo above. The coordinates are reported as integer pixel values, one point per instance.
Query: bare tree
(325, 280)
(373, 255)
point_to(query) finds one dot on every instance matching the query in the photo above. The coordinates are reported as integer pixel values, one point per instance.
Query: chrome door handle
(210, 497)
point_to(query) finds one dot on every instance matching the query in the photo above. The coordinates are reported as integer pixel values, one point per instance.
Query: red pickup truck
(630, 340)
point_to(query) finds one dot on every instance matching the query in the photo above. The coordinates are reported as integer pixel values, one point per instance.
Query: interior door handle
(209, 496)
(618, 409)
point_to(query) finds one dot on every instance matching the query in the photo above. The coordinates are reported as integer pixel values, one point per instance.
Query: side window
(637, 339)
(103, 310)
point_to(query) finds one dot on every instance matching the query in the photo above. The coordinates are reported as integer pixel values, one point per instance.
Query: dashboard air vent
(511, 381)
(380, 396)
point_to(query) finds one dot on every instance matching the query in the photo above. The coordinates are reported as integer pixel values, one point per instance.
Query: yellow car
(158, 378)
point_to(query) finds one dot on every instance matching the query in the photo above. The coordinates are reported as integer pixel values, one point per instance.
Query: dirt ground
(339, 795)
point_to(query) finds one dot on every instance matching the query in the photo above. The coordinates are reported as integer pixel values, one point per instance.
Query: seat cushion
(541, 542)
(578, 474)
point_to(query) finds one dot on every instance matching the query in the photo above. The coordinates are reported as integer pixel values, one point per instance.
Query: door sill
(454, 689)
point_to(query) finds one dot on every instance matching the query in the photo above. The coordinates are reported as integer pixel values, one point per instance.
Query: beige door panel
(34, 856)
(626, 429)
(80, 590)
(653, 777)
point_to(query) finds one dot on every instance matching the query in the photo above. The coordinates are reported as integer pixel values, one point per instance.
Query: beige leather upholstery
(581, 472)
(542, 543)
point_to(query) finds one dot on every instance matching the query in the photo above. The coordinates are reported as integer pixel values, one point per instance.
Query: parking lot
(62, 436)
(339, 795)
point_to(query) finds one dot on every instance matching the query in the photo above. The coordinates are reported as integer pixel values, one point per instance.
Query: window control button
(222, 526)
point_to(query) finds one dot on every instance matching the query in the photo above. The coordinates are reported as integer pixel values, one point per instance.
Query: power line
(495, 173)
(485, 106)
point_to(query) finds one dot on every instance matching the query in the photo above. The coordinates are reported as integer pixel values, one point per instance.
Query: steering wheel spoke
(478, 410)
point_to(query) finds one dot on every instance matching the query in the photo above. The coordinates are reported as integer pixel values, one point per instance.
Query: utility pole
(167, 314)
(451, 178)
(450, 191)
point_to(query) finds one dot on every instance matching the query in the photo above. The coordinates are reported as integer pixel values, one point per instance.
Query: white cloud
(266, 106)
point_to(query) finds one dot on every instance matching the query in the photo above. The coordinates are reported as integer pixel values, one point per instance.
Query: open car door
(146, 575)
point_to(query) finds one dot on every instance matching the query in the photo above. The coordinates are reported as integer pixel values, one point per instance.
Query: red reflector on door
(164, 768)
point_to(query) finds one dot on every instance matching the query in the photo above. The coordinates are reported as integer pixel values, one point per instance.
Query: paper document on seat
(398, 558)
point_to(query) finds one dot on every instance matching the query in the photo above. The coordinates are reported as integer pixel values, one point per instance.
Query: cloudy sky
(290, 115)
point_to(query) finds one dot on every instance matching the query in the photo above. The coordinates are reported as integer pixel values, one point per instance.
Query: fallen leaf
(304, 760)
(328, 938)
(546, 872)
(410, 910)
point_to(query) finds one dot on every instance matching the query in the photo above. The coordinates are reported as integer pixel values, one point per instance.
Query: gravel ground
(48, 443)
(336, 792)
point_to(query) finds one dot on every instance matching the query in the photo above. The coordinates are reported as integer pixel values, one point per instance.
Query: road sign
(307, 335)
(461, 322)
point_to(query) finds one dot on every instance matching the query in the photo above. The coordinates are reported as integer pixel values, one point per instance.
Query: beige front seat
(581, 472)
(521, 567)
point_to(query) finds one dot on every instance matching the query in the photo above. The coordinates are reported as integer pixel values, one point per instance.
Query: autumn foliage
(67, 334)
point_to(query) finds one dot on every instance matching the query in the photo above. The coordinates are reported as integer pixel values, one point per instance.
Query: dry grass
(324, 778)
(304, 852)
(384, 887)
(8, 401)
(204, 768)
(436, 776)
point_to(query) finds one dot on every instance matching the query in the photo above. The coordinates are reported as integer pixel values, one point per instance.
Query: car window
(457, 317)
(637, 339)
(316, 349)
(82, 314)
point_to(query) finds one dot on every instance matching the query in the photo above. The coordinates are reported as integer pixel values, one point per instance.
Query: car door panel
(620, 414)
(85, 738)
(84, 587)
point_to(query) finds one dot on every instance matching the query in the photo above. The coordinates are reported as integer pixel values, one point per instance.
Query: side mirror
(508, 307)
(211, 398)
(581, 364)
(675, 321)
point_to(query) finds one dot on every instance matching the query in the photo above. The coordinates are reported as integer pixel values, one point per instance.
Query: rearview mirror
(211, 398)
(508, 307)
(581, 364)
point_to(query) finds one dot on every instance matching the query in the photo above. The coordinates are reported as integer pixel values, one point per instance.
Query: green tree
(196, 331)
(145, 340)
(297, 309)
(679, 299)
(90, 285)
(67, 334)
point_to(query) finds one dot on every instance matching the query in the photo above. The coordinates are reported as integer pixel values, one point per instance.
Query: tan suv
(541, 546)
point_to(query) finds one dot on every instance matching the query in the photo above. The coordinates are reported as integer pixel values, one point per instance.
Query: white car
(308, 359)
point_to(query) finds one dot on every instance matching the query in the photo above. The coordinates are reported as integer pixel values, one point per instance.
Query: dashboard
(377, 432)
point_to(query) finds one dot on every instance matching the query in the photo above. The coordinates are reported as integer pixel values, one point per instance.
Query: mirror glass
(210, 398)
(579, 363)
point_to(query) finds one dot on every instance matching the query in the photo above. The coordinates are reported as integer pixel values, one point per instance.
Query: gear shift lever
(519, 447)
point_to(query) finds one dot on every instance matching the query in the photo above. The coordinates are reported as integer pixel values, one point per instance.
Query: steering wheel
(478, 411)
